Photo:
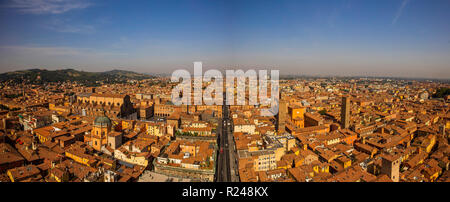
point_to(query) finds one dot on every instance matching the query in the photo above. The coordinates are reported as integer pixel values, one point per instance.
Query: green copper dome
(102, 121)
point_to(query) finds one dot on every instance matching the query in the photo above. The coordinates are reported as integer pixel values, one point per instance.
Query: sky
(394, 38)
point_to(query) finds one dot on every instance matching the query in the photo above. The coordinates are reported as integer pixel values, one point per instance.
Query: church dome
(102, 121)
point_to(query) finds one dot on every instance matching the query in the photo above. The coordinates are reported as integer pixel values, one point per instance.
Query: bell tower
(100, 130)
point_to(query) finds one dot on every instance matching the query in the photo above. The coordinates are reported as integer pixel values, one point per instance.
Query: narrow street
(226, 163)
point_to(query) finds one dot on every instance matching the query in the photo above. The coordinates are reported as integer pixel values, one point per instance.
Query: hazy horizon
(389, 38)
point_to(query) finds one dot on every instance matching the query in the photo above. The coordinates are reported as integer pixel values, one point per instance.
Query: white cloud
(399, 11)
(55, 51)
(67, 26)
(16, 57)
(75, 29)
(47, 6)
(49, 51)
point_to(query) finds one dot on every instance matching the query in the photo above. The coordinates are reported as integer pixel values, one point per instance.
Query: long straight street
(226, 162)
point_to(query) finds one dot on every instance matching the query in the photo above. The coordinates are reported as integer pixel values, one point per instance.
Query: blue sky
(407, 38)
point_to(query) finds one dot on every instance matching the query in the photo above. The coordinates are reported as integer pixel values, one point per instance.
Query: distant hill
(39, 76)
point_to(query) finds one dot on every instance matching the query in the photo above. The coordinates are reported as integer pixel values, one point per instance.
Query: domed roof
(102, 121)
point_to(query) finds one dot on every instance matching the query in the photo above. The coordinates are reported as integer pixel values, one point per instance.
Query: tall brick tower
(282, 113)
(390, 165)
(345, 112)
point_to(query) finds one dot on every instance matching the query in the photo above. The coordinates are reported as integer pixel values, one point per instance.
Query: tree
(442, 92)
